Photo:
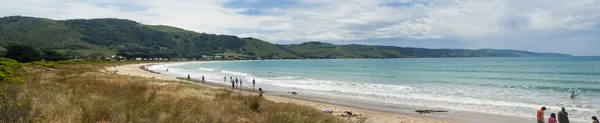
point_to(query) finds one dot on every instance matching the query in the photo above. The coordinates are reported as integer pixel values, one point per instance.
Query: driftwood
(429, 111)
(293, 93)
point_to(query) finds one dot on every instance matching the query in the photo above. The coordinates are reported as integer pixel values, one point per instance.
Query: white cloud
(471, 23)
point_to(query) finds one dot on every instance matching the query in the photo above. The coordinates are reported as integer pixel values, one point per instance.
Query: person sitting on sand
(260, 92)
(540, 115)
(552, 118)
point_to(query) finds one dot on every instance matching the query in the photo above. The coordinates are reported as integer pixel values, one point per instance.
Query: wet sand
(376, 112)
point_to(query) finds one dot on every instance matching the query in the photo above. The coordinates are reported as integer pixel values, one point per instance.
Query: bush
(9, 71)
(255, 104)
(14, 111)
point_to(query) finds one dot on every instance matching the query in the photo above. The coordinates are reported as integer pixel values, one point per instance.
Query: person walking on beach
(595, 119)
(540, 115)
(563, 116)
(188, 77)
(241, 82)
(236, 82)
(225, 79)
(552, 118)
(203, 78)
(253, 82)
(232, 85)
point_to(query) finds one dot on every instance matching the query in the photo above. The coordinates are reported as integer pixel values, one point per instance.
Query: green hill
(326, 50)
(108, 36)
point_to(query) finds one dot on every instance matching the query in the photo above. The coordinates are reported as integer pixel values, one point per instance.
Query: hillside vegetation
(326, 50)
(108, 36)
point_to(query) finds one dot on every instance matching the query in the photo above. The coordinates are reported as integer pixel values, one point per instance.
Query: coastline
(376, 112)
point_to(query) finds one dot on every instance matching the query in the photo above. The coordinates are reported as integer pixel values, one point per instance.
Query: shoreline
(376, 112)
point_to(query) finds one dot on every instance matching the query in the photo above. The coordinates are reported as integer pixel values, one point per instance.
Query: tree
(99, 56)
(73, 55)
(51, 55)
(22, 53)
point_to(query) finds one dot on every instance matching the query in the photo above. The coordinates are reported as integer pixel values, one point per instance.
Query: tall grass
(80, 93)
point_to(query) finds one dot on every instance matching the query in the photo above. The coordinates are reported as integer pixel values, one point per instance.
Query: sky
(562, 26)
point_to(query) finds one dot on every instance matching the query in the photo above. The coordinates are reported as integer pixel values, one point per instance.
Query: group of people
(563, 116)
(237, 82)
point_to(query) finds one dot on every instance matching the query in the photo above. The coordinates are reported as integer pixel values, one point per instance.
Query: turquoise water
(507, 86)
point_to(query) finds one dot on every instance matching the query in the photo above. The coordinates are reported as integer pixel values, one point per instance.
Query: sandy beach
(375, 114)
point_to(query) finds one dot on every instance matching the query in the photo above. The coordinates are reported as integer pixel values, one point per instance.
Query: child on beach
(595, 119)
(552, 118)
(260, 92)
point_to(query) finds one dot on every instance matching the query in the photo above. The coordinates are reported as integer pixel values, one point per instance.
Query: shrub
(10, 70)
(45, 64)
(255, 104)
(17, 111)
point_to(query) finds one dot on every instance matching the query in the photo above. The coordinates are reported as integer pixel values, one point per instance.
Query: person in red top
(540, 115)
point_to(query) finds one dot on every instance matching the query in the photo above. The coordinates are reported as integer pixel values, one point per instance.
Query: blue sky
(563, 26)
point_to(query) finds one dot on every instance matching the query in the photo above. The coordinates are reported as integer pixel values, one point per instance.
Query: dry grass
(80, 93)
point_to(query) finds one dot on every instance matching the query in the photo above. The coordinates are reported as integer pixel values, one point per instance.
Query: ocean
(504, 86)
